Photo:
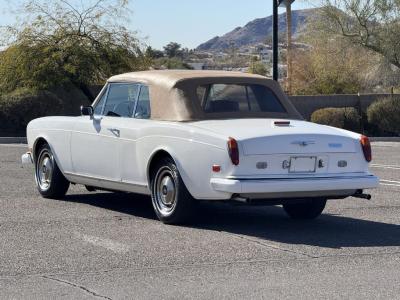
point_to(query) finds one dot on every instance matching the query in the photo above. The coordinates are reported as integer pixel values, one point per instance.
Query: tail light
(233, 151)
(366, 147)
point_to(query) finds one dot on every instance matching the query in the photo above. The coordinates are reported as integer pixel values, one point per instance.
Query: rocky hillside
(257, 31)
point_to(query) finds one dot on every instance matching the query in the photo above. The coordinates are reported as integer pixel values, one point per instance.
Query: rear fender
(174, 156)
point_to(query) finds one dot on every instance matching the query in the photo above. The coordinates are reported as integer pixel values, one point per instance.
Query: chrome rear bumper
(294, 185)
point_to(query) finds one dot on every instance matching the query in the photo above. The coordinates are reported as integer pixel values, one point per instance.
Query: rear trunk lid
(299, 144)
(265, 136)
(269, 148)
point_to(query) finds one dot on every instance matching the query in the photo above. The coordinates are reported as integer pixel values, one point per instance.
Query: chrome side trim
(131, 187)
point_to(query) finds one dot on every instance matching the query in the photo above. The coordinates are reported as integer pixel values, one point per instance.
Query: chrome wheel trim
(44, 170)
(165, 191)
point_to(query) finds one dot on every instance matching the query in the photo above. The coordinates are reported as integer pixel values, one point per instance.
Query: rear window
(220, 98)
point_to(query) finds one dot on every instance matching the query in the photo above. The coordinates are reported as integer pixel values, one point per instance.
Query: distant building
(198, 65)
(220, 55)
(262, 51)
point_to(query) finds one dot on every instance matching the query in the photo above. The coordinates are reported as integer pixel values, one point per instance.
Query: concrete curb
(385, 139)
(13, 140)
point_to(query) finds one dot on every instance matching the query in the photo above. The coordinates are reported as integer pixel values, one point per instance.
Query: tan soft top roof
(171, 77)
(173, 95)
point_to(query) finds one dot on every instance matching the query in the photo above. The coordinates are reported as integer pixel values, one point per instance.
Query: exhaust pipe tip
(361, 195)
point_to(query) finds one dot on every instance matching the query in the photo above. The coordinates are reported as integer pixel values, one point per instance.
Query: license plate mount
(303, 164)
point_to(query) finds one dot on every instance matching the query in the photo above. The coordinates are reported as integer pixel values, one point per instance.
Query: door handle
(115, 131)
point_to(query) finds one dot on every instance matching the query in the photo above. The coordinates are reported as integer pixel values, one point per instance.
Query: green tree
(59, 43)
(153, 53)
(173, 50)
(331, 64)
(373, 24)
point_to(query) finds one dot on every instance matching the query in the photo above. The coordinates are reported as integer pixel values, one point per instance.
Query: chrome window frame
(103, 92)
(137, 101)
(106, 91)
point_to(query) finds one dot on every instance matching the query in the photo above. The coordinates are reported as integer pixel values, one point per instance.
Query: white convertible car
(183, 136)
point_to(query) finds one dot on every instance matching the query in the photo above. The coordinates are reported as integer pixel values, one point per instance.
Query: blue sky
(188, 22)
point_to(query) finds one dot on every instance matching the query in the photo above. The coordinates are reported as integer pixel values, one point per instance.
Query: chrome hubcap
(44, 170)
(165, 191)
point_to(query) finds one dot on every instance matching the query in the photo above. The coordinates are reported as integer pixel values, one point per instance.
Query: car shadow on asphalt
(269, 223)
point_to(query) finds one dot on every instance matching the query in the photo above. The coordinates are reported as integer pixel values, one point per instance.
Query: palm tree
(289, 46)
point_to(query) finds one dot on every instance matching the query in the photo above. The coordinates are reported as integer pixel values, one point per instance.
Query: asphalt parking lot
(110, 246)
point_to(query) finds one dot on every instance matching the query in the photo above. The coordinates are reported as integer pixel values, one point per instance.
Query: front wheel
(171, 200)
(50, 182)
(307, 210)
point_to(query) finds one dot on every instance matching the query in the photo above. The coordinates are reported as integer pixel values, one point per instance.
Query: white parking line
(104, 243)
(394, 167)
(390, 182)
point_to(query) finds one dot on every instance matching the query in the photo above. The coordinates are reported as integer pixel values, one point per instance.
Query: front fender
(56, 131)
(44, 138)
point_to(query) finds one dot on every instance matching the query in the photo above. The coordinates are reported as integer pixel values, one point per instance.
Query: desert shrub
(385, 114)
(23, 105)
(346, 118)
(258, 67)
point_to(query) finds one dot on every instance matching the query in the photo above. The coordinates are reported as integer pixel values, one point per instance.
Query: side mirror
(87, 111)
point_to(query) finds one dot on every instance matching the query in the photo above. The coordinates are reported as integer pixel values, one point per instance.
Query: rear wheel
(171, 200)
(309, 209)
(50, 182)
